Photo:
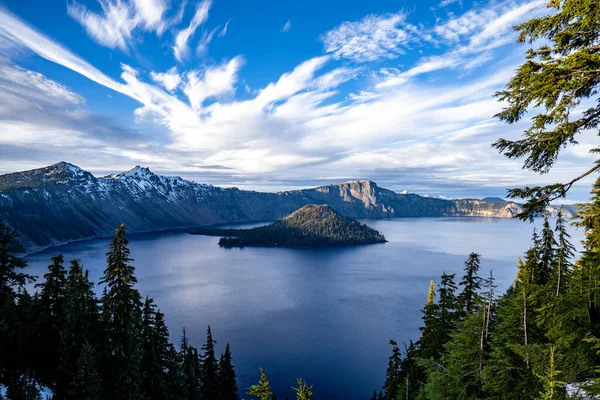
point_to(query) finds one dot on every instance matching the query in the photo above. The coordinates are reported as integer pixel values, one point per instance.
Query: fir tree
(51, 311)
(393, 376)
(209, 369)
(564, 254)
(429, 343)
(547, 251)
(80, 331)
(471, 284)
(156, 352)
(228, 389)
(122, 320)
(262, 390)
(303, 391)
(190, 367)
(12, 281)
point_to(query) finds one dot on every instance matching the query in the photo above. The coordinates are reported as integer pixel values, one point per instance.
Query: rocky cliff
(62, 203)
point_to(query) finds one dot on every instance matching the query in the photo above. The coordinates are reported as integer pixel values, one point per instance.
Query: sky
(270, 95)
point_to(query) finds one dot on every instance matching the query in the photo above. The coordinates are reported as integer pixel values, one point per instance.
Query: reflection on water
(325, 315)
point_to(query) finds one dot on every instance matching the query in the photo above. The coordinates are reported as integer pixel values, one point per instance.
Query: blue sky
(269, 95)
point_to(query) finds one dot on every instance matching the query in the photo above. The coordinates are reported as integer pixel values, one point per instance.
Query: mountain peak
(137, 172)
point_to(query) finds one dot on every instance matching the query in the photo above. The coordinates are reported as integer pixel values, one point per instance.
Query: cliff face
(62, 203)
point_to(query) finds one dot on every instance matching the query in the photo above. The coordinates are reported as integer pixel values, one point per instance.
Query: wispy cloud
(373, 38)
(115, 26)
(287, 26)
(181, 47)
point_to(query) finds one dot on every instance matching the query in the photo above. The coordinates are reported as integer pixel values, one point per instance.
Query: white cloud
(181, 47)
(215, 81)
(471, 37)
(170, 80)
(373, 38)
(287, 26)
(445, 3)
(115, 26)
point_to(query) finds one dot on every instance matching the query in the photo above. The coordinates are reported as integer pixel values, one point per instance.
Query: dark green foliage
(209, 369)
(190, 368)
(471, 283)
(157, 353)
(122, 320)
(310, 226)
(393, 375)
(560, 74)
(228, 389)
(79, 336)
(51, 311)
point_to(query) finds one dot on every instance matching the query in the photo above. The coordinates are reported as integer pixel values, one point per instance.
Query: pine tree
(448, 304)
(303, 391)
(88, 383)
(10, 265)
(12, 314)
(228, 389)
(262, 391)
(209, 369)
(122, 320)
(429, 343)
(564, 255)
(51, 311)
(548, 247)
(471, 284)
(190, 368)
(80, 330)
(155, 352)
(393, 377)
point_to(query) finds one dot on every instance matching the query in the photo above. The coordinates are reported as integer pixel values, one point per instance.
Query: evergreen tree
(459, 375)
(448, 304)
(303, 391)
(429, 343)
(508, 374)
(471, 284)
(262, 391)
(10, 265)
(547, 251)
(564, 255)
(80, 330)
(88, 383)
(228, 389)
(156, 352)
(51, 311)
(209, 369)
(13, 340)
(190, 367)
(393, 376)
(122, 320)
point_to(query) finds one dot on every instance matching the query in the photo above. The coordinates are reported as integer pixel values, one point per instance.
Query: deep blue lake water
(325, 315)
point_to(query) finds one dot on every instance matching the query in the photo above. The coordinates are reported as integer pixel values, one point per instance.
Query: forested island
(310, 226)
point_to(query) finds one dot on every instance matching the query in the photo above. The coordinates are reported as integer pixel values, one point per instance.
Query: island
(308, 227)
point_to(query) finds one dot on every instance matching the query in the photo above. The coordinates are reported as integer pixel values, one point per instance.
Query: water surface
(325, 315)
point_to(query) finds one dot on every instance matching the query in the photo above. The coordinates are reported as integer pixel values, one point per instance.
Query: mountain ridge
(63, 203)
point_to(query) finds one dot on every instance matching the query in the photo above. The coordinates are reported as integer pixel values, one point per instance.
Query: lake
(325, 315)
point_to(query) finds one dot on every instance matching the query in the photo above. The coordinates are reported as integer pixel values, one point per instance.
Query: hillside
(310, 226)
(63, 203)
